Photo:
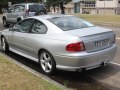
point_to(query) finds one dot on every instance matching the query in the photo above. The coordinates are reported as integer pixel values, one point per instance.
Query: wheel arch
(53, 64)
(6, 46)
(40, 50)
(4, 17)
(20, 18)
(1, 36)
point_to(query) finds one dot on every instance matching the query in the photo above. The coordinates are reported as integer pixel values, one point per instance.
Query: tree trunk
(62, 8)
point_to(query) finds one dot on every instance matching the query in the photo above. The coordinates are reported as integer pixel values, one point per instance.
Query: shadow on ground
(75, 80)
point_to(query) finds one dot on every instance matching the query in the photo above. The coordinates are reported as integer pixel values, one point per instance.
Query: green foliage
(4, 0)
(55, 2)
(52, 2)
(21, 1)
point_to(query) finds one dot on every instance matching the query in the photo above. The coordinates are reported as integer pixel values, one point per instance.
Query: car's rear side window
(36, 7)
(23, 26)
(38, 27)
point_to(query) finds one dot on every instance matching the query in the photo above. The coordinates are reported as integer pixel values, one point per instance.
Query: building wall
(109, 7)
(106, 3)
(69, 8)
(107, 11)
(84, 7)
(93, 11)
(88, 10)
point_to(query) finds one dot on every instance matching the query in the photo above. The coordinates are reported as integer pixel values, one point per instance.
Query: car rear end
(90, 52)
(32, 8)
(94, 47)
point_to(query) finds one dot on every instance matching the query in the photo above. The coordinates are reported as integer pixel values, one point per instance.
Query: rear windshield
(36, 7)
(70, 23)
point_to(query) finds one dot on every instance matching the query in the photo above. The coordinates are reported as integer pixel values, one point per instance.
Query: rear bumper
(85, 60)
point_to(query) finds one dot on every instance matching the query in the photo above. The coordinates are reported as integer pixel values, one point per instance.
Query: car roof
(28, 3)
(50, 16)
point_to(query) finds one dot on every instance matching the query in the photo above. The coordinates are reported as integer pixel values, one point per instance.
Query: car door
(21, 31)
(12, 13)
(21, 11)
(36, 37)
(15, 14)
(9, 13)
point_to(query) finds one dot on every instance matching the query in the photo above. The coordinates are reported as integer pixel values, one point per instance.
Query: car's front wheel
(47, 62)
(18, 20)
(5, 24)
(4, 44)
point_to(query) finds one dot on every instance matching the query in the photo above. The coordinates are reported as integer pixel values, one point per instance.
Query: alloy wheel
(3, 44)
(46, 62)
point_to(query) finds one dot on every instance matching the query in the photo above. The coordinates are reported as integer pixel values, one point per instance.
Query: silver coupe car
(60, 42)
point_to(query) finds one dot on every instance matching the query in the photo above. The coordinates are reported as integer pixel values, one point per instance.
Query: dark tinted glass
(38, 28)
(23, 26)
(36, 7)
(70, 23)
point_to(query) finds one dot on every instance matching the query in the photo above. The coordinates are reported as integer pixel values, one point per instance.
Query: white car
(60, 42)
(18, 12)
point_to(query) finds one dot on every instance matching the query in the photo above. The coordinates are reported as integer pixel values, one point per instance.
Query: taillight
(75, 47)
(27, 12)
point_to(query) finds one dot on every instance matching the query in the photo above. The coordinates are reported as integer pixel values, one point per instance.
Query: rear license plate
(101, 42)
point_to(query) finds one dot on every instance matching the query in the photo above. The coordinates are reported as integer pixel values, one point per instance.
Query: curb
(35, 72)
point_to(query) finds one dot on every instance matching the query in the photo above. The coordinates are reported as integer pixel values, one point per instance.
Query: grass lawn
(101, 18)
(13, 77)
(113, 20)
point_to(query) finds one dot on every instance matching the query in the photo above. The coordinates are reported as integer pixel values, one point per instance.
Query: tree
(60, 3)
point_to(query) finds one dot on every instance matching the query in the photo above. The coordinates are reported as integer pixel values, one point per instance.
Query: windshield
(36, 7)
(70, 23)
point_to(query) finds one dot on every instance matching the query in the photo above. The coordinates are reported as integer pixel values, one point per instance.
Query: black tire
(5, 23)
(4, 44)
(18, 20)
(51, 62)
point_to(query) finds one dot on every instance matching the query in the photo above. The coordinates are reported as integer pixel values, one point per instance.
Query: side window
(19, 8)
(23, 26)
(22, 8)
(12, 9)
(39, 27)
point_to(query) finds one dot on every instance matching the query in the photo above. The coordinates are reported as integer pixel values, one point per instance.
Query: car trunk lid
(95, 38)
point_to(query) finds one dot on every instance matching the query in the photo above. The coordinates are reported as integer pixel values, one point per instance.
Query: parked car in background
(18, 12)
(60, 42)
